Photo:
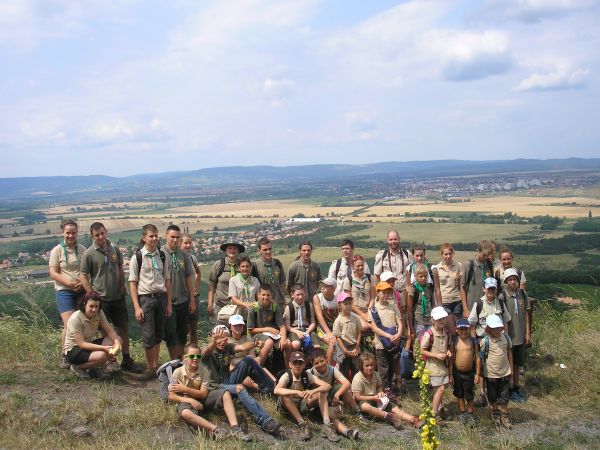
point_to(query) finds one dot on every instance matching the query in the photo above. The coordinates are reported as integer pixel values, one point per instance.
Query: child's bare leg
(330, 352)
(461, 405)
(149, 353)
(194, 332)
(265, 351)
(372, 411)
(197, 421)
(156, 356)
(470, 407)
(339, 426)
(290, 405)
(515, 374)
(437, 398)
(403, 415)
(349, 400)
(97, 359)
(324, 407)
(229, 409)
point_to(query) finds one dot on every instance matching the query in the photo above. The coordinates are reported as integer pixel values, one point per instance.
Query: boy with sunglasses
(191, 392)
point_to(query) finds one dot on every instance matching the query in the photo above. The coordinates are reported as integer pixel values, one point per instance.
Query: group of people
(316, 342)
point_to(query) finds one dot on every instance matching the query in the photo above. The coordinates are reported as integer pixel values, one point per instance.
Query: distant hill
(31, 188)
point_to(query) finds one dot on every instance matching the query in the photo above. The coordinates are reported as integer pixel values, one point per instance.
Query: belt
(153, 295)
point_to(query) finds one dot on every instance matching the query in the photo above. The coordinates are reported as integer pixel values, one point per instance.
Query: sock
(328, 422)
(347, 432)
(301, 423)
(235, 427)
(357, 410)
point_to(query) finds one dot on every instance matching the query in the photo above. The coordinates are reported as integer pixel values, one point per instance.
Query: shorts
(497, 390)
(439, 380)
(454, 308)
(518, 352)
(67, 300)
(77, 355)
(116, 312)
(194, 317)
(153, 325)
(176, 327)
(388, 408)
(301, 404)
(463, 385)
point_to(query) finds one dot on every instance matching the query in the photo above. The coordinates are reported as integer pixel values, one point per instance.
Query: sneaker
(361, 418)
(238, 433)
(219, 434)
(329, 433)
(443, 413)
(129, 365)
(304, 431)
(352, 434)
(81, 373)
(271, 427)
(481, 401)
(99, 374)
(505, 422)
(112, 367)
(64, 362)
(149, 374)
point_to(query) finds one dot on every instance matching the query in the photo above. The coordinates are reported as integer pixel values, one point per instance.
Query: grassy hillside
(42, 406)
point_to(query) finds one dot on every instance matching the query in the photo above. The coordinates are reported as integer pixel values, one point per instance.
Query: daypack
(386, 252)
(411, 269)
(428, 331)
(407, 364)
(303, 378)
(387, 344)
(479, 306)
(221, 268)
(484, 351)
(338, 264)
(165, 377)
(138, 257)
(471, 271)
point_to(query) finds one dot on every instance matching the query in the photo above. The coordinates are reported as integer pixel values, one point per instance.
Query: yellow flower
(432, 421)
(427, 371)
(415, 374)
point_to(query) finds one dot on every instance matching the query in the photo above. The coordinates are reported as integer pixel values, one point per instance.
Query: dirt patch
(569, 301)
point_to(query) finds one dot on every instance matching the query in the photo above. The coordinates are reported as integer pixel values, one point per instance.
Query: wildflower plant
(429, 431)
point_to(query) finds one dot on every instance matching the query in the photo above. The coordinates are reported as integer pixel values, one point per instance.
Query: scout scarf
(154, 263)
(63, 244)
(423, 297)
(246, 288)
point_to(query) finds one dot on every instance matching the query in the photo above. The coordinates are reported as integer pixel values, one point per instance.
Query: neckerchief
(245, 283)
(269, 267)
(63, 244)
(422, 291)
(154, 263)
(299, 319)
(174, 261)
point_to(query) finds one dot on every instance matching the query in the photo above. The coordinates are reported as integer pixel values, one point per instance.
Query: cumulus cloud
(557, 80)
(470, 55)
(533, 10)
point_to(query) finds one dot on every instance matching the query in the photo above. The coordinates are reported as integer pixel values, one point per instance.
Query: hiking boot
(395, 421)
(352, 434)
(129, 365)
(361, 418)
(505, 421)
(496, 419)
(304, 431)
(99, 374)
(81, 373)
(481, 401)
(271, 427)
(219, 434)
(64, 362)
(238, 433)
(329, 433)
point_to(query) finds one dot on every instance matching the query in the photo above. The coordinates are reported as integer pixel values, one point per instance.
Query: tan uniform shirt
(362, 386)
(389, 315)
(496, 364)
(347, 328)
(450, 281)
(441, 344)
(149, 279)
(80, 324)
(68, 264)
(296, 382)
(196, 380)
(360, 291)
(237, 357)
(395, 263)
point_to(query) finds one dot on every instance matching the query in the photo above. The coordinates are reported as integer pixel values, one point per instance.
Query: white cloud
(559, 79)
(533, 10)
(470, 55)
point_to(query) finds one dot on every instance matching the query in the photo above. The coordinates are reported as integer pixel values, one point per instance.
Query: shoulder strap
(376, 317)
(483, 353)
(429, 331)
(304, 379)
(290, 306)
(163, 257)
(470, 273)
(331, 372)
(368, 276)
(138, 258)
(254, 271)
(221, 268)
(479, 306)
(290, 378)
(338, 264)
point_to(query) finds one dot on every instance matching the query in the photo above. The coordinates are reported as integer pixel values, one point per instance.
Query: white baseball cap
(236, 319)
(329, 281)
(512, 272)
(387, 275)
(221, 329)
(493, 321)
(490, 282)
(438, 313)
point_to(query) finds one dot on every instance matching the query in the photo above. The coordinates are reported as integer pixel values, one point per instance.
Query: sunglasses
(193, 356)
(297, 363)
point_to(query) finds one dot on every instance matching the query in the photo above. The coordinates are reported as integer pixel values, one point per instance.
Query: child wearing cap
(296, 388)
(387, 326)
(368, 392)
(420, 302)
(496, 356)
(326, 311)
(466, 370)
(347, 331)
(519, 308)
(482, 308)
(299, 322)
(190, 390)
(435, 346)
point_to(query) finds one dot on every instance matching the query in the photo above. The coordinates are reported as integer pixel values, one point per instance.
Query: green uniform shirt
(217, 364)
(103, 268)
(181, 268)
(222, 290)
(275, 277)
(308, 276)
(517, 305)
(475, 287)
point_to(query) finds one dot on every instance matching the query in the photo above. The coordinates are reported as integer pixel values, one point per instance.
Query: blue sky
(125, 87)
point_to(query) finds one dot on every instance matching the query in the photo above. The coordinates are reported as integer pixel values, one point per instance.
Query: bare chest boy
(464, 355)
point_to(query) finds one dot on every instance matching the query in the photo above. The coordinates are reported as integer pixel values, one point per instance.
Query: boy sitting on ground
(265, 324)
(299, 322)
(190, 389)
(294, 391)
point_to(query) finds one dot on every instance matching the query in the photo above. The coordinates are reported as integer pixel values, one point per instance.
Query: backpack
(387, 344)
(483, 352)
(411, 269)
(221, 268)
(386, 252)
(338, 264)
(303, 378)
(428, 331)
(138, 257)
(471, 271)
(165, 377)
(479, 306)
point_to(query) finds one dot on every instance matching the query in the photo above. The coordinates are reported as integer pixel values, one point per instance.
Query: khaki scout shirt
(79, 323)
(496, 364)
(347, 328)
(150, 280)
(389, 315)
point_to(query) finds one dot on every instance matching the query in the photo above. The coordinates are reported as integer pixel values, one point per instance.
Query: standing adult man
(305, 271)
(184, 301)
(102, 271)
(393, 259)
(218, 280)
(269, 271)
(341, 269)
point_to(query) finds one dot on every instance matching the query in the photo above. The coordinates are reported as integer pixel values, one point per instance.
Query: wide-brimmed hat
(240, 247)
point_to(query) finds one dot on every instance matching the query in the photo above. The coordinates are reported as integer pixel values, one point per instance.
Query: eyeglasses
(193, 356)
